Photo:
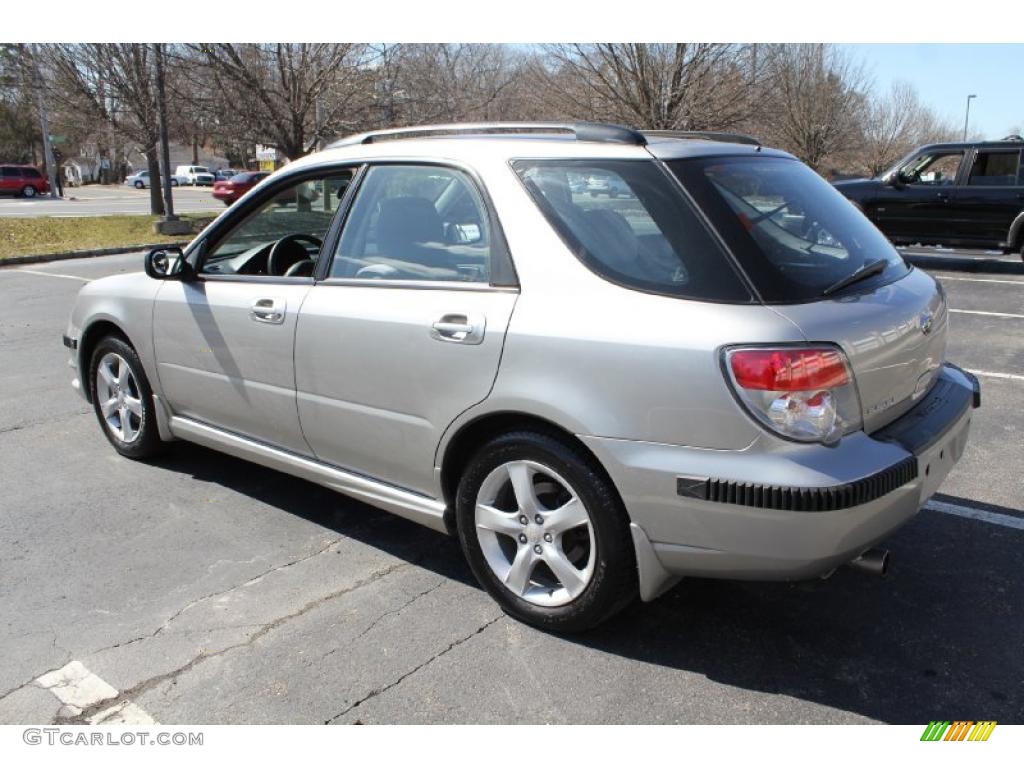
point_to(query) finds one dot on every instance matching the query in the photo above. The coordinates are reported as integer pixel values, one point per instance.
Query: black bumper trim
(799, 499)
(69, 342)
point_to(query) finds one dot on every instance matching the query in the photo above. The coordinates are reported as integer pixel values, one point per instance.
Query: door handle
(942, 195)
(268, 310)
(460, 329)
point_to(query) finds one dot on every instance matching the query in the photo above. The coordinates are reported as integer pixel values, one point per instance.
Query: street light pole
(967, 116)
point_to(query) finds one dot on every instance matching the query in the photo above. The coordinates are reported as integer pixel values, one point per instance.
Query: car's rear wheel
(545, 532)
(28, 191)
(123, 400)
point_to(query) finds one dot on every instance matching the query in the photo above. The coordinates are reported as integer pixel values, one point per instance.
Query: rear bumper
(788, 511)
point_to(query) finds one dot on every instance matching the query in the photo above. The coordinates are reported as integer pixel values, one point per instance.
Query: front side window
(32, 173)
(282, 237)
(795, 235)
(628, 221)
(934, 169)
(994, 169)
(412, 222)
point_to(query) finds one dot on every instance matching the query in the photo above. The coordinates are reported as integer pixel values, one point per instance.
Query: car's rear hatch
(894, 338)
(814, 258)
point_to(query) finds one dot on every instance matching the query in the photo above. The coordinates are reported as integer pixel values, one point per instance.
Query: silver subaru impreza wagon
(722, 370)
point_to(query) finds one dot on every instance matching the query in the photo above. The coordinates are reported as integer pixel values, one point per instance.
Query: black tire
(28, 191)
(147, 441)
(613, 584)
(139, 185)
(174, 182)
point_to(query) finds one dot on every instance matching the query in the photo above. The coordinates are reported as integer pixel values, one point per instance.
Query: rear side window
(994, 169)
(413, 222)
(10, 173)
(31, 173)
(630, 223)
(794, 234)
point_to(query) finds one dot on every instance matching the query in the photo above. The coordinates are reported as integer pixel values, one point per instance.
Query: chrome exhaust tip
(874, 561)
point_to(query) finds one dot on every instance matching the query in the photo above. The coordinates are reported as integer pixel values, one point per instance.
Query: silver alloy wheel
(535, 533)
(119, 397)
(29, 191)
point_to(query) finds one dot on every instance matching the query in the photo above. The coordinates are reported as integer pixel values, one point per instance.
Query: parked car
(194, 175)
(957, 194)
(23, 181)
(603, 184)
(224, 174)
(140, 180)
(229, 191)
(596, 403)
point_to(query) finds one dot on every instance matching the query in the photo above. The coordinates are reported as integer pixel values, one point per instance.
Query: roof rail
(599, 132)
(731, 138)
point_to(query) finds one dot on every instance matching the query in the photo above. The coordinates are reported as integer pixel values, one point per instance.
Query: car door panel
(224, 353)
(983, 209)
(377, 383)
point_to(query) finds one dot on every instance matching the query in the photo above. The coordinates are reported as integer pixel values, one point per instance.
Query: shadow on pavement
(940, 638)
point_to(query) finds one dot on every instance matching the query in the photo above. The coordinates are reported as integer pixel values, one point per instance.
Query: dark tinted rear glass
(793, 232)
(10, 172)
(629, 222)
(31, 173)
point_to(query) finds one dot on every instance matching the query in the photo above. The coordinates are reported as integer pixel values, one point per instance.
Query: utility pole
(967, 116)
(44, 123)
(165, 151)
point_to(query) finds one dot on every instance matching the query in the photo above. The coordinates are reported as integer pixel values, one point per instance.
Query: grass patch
(50, 234)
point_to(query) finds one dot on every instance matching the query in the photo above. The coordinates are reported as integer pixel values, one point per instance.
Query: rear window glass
(629, 222)
(794, 234)
(31, 173)
(994, 169)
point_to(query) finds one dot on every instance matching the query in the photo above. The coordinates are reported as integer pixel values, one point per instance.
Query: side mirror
(167, 264)
(898, 179)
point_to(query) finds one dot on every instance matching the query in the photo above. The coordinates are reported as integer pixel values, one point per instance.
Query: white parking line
(972, 513)
(982, 280)
(55, 274)
(990, 314)
(78, 689)
(995, 375)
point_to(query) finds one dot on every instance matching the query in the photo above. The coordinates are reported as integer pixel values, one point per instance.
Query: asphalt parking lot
(96, 200)
(202, 589)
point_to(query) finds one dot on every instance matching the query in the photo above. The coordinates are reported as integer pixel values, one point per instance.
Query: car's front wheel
(139, 185)
(174, 182)
(123, 399)
(545, 532)
(28, 191)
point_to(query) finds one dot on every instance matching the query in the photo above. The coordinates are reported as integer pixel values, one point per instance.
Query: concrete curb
(965, 264)
(38, 258)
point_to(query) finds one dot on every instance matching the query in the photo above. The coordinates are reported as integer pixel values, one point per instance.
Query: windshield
(794, 234)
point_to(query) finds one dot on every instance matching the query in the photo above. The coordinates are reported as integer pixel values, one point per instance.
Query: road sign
(58, 139)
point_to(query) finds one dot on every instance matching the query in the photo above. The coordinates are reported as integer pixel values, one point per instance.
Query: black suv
(965, 194)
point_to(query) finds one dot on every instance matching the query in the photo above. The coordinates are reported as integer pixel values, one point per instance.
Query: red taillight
(229, 184)
(788, 369)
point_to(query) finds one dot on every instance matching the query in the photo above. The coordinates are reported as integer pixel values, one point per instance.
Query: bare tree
(444, 82)
(19, 127)
(816, 102)
(286, 95)
(894, 124)
(689, 86)
(115, 83)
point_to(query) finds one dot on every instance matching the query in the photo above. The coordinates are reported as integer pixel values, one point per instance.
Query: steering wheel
(287, 252)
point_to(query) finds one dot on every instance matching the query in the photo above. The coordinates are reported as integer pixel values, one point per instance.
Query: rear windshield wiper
(862, 272)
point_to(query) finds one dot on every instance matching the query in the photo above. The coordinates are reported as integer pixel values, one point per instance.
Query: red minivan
(24, 180)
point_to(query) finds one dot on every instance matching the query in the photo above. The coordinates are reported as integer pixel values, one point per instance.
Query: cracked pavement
(208, 590)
